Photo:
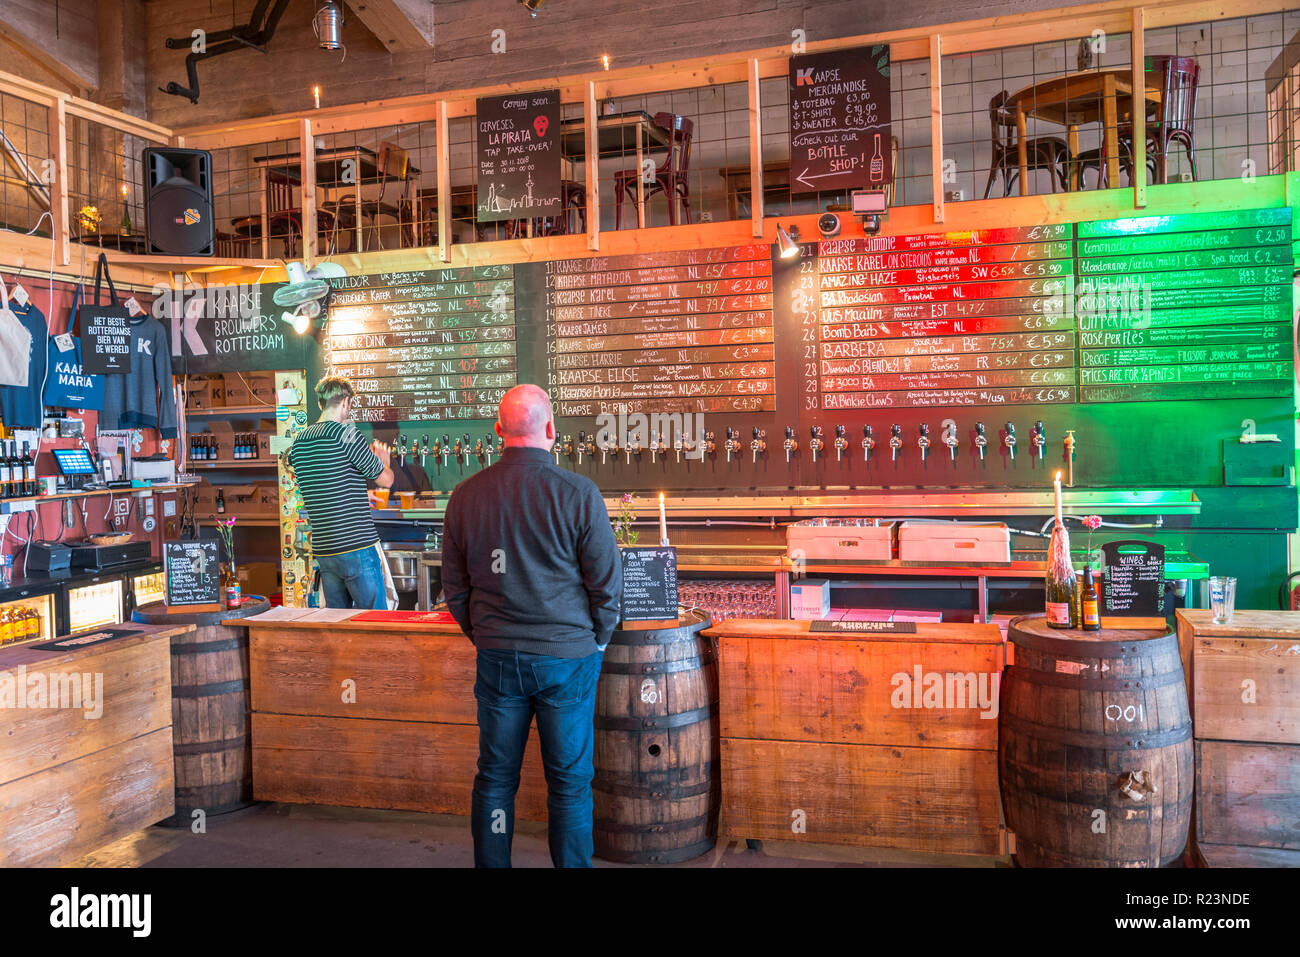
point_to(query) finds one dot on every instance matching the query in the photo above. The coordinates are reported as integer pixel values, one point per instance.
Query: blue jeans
(353, 580)
(512, 687)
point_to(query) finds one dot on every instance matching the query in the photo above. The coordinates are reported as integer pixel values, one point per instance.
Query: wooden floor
(292, 835)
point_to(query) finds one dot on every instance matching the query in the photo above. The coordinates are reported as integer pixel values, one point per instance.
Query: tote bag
(15, 344)
(103, 349)
(67, 385)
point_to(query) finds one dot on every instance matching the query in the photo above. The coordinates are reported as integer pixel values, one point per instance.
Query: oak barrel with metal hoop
(210, 726)
(657, 787)
(1095, 747)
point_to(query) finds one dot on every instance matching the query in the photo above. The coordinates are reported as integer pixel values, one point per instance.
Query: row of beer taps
(586, 446)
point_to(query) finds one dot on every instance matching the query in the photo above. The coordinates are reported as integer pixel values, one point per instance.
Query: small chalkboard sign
(650, 584)
(1133, 579)
(840, 120)
(193, 572)
(872, 627)
(518, 156)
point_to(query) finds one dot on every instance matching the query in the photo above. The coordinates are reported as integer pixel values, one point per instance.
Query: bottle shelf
(234, 464)
(230, 410)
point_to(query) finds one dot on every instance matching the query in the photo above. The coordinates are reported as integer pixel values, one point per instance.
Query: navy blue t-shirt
(19, 407)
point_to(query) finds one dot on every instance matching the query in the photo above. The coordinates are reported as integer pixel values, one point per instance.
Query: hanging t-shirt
(20, 406)
(142, 398)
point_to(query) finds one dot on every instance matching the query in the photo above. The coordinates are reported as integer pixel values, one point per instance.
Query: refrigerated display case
(99, 603)
(44, 606)
(147, 588)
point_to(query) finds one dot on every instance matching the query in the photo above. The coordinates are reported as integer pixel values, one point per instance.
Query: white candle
(315, 92)
(1057, 484)
(663, 521)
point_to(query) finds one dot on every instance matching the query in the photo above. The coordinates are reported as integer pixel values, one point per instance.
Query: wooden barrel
(1095, 747)
(657, 787)
(210, 726)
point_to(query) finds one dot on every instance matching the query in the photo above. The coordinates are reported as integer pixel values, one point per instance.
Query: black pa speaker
(178, 202)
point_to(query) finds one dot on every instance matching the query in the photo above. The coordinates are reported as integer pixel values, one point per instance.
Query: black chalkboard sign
(193, 571)
(840, 120)
(105, 339)
(649, 583)
(232, 328)
(518, 156)
(1134, 579)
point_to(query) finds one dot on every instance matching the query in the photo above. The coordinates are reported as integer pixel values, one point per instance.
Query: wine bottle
(29, 470)
(1062, 583)
(1090, 618)
(6, 473)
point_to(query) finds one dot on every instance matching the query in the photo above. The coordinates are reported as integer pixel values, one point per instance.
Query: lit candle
(315, 92)
(663, 521)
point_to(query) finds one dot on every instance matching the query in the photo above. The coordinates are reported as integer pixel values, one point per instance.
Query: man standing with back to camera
(532, 575)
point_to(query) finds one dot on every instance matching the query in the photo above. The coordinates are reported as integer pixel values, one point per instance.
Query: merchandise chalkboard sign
(518, 156)
(1134, 579)
(649, 584)
(105, 339)
(193, 571)
(840, 120)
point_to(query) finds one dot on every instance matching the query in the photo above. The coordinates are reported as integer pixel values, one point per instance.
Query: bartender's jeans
(512, 687)
(353, 580)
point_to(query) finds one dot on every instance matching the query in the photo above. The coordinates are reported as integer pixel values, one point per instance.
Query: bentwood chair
(1173, 122)
(672, 178)
(1050, 153)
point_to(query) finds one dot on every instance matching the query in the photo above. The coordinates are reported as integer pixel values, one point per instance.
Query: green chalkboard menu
(435, 344)
(1195, 306)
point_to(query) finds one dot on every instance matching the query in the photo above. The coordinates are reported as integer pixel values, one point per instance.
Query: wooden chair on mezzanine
(282, 210)
(1172, 122)
(1050, 153)
(672, 178)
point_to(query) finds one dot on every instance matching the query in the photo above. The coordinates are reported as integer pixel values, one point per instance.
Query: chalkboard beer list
(684, 331)
(428, 345)
(978, 318)
(1196, 306)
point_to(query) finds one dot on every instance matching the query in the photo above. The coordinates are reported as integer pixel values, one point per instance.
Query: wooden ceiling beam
(402, 26)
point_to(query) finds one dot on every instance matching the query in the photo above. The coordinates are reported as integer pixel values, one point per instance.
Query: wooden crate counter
(87, 758)
(1245, 681)
(876, 740)
(371, 714)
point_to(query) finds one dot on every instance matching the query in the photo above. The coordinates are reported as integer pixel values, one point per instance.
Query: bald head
(526, 417)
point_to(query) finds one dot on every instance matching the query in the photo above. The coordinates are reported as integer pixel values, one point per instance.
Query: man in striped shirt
(331, 462)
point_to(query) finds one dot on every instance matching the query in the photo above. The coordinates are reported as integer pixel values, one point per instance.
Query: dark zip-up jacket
(529, 561)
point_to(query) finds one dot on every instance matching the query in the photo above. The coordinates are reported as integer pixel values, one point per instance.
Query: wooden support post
(590, 119)
(307, 151)
(442, 143)
(936, 128)
(755, 149)
(1139, 109)
(61, 226)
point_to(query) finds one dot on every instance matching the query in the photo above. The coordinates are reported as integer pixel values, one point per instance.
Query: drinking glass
(1223, 598)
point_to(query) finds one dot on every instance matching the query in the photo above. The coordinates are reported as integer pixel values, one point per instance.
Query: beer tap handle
(868, 443)
(582, 445)
(446, 450)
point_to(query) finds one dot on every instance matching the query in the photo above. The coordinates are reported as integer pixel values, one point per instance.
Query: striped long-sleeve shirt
(332, 462)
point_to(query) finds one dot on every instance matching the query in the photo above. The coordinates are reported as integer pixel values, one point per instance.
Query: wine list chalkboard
(518, 156)
(1134, 579)
(649, 583)
(840, 120)
(193, 571)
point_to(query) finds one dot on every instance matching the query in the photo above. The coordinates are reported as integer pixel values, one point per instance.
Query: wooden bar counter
(832, 738)
(371, 714)
(1244, 679)
(79, 772)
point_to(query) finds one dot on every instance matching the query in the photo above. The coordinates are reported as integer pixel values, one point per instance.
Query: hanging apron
(15, 344)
